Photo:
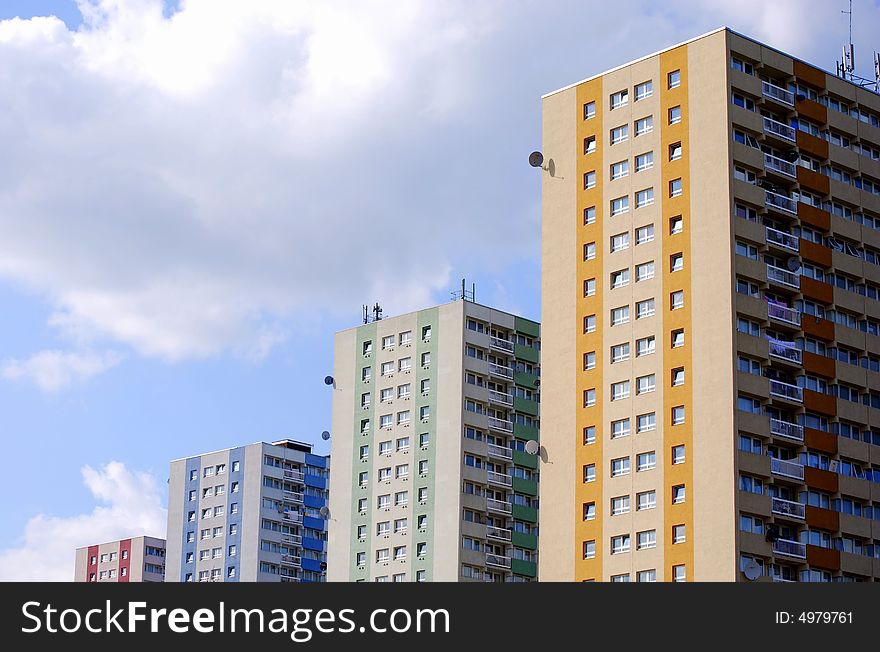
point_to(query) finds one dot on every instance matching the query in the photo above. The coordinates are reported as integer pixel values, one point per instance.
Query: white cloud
(130, 505)
(53, 371)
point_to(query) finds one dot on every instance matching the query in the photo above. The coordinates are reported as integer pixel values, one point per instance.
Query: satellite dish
(325, 435)
(324, 511)
(328, 380)
(792, 156)
(536, 159)
(752, 570)
(793, 263)
(800, 97)
(532, 447)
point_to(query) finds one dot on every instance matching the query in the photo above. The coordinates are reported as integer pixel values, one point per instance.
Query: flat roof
(278, 442)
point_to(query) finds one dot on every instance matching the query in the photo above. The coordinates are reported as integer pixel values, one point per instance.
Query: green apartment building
(431, 480)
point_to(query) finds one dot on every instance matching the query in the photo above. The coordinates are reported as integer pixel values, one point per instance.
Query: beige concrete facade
(138, 559)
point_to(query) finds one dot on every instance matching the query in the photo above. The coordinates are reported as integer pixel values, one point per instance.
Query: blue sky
(194, 197)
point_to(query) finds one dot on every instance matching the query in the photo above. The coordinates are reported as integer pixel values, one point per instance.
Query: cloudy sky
(195, 195)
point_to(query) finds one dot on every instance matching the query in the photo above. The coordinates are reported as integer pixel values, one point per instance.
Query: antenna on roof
(846, 66)
(464, 293)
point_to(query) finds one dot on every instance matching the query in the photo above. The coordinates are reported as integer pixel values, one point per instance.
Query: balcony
(291, 539)
(783, 277)
(790, 548)
(787, 508)
(291, 560)
(784, 314)
(498, 506)
(780, 202)
(501, 345)
(780, 130)
(782, 239)
(786, 469)
(288, 578)
(780, 166)
(292, 517)
(786, 391)
(500, 371)
(294, 476)
(293, 497)
(777, 93)
(786, 351)
(786, 429)
(499, 479)
(498, 533)
(500, 398)
(500, 424)
(500, 452)
(497, 561)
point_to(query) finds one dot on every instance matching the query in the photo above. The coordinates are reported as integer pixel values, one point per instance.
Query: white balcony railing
(500, 370)
(500, 452)
(500, 424)
(777, 93)
(783, 277)
(294, 476)
(786, 429)
(779, 165)
(785, 240)
(787, 351)
(787, 468)
(498, 533)
(288, 578)
(790, 548)
(498, 343)
(498, 561)
(291, 539)
(781, 202)
(787, 508)
(779, 129)
(787, 391)
(292, 517)
(291, 560)
(500, 397)
(784, 314)
(500, 506)
(499, 479)
(293, 497)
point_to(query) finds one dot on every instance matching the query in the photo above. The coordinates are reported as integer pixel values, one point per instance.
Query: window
(589, 110)
(590, 360)
(423, 467)
(424, 412)
(589, 511)
(743, 101)
(742, 174)
(644, 125)
(589, 549)
(678, 573)
(674, 151)
(646, 539)
(619, 170)
(403, 417)
(404, 364)
(645, 384)
(590, 179)
(645, 346)
(676, 300)
(674, 79)
(620, 544)
(748, 365)
(620, 352)
(382, 556)
(750, 445)
(742, 66)
(589, 435)
(644, 161)
(426, 359)
(675, 115)
(646, 422)
(646, 461)
(401, 498)
(403, 391)
(385, 421)
(386, 394)
(678, 415)
(590, 215)
(589, 287)
(619, 205)
(589, 324)
(646, 500)
(644, 197)
(748, 404)
(622, 578)
(426, 333)
(677, 338)
(619, 99)
(619, 242)
(748, 326)
(589, 473)
(643, 90)
(619, 134)
(644, 271)
(619, 467)
(619, 505)
(645, 308)
(675, 188)
(746, 250)
(747, 288)
(678, 454)
(678, 534)
(384, 475)
(751, 524)
(589, 251)
(383, 501)
(589, 397)
(647, 576)
(678, 494)
(620, 278)
(402, 444)
(678, 376)
(388, 342)
(620, 390)
(619, 315)
(619, 428)
(644, 234)
(399, 553)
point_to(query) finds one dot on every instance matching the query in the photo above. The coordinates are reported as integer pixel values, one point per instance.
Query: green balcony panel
(527, 353)
(523, 379)
(521, 431)
(527, 327)
(521, 458)
(523, 513)
(527, 568)
(527, 541)
(523, 486)
(526, 406)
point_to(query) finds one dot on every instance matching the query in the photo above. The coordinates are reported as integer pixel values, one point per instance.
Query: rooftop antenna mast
(846, 67)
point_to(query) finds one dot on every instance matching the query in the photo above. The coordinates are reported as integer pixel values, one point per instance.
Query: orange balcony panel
(824, 519)
(810, 75)
(822, 481)
(823, 442)
(815, 253)
(813, 216)
(812, 111)
(814, 181)
(817, 327)
(823, 558)
(817, 290)
(812, 145)
(821, 403)
(819, 365)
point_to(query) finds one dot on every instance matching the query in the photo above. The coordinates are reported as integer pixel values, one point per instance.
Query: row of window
(401, 499)
(647, 539)
(401, 339)
(211, 471)
(641, 91)
(401, 472)
(620, 466)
